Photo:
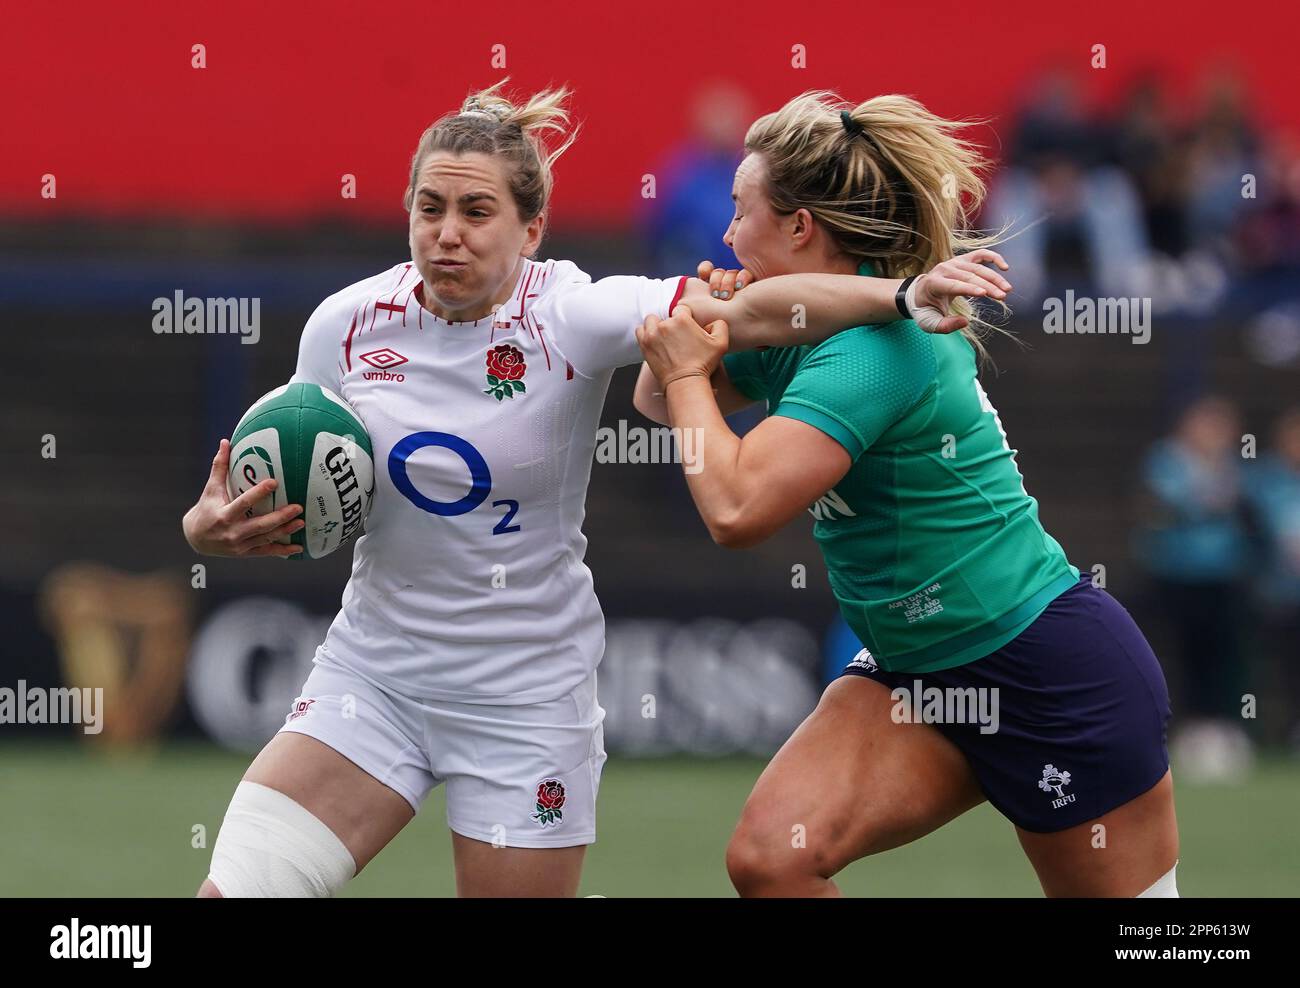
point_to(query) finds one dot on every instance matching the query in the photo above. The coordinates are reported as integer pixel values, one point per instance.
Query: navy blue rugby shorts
(1082, 712)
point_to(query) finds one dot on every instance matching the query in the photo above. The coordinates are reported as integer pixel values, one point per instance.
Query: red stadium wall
(293, 98)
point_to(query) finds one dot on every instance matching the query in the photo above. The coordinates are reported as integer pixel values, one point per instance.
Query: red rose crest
(550, 797)
(505, 372)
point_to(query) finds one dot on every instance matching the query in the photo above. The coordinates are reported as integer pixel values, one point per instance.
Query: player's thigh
(485, 870)
(360, 810)
(851, 782)
(351, 754)
(1085, 708)
(522, 782)
(1120, 854)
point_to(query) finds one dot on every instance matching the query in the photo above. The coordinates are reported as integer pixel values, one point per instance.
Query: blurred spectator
(1071, 212)
(693, 207)
(1268, 239)
(1152, 152)
(1267, 248)
(1221, 151)
(1197, 546)
(1274, 489)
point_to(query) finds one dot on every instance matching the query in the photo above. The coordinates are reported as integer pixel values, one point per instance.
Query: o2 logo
(480, 479)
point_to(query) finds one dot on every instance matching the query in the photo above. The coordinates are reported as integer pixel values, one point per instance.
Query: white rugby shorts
(517, 775)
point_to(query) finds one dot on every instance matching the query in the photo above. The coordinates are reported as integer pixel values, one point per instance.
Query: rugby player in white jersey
(466, 646)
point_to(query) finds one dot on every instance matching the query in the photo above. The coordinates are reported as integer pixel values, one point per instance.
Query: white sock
(1164, 888)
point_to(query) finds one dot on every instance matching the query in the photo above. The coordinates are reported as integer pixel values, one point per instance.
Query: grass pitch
(79, 823)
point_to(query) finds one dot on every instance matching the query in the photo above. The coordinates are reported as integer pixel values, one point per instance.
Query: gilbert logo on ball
(313, 443)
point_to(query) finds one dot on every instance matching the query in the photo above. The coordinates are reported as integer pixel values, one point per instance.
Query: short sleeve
(321, 347)
(594, 323)
(320, 350)
(860, 382)
(747, 372)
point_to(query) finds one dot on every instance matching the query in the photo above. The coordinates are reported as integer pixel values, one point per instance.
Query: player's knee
(269, 846)
(763, 855)
(749, 863)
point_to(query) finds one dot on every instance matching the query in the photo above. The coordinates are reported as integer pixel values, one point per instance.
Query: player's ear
(533, 235)
(801, 228)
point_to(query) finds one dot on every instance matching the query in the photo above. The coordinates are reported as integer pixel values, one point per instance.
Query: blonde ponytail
(892, 183)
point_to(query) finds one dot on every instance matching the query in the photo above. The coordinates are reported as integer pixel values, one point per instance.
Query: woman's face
(466, 235)
(757, 234)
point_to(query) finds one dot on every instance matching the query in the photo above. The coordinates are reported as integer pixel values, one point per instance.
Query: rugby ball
(312, 441)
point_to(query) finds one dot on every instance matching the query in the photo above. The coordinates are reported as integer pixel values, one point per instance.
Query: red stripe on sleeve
(677, 297)
(347, 344)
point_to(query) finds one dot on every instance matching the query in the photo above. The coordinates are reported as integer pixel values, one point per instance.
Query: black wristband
(900, 297)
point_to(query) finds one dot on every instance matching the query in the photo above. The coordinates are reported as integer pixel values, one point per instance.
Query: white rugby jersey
(469, 582)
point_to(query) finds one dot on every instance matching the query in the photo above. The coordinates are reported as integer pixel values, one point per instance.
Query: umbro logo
(383, 360)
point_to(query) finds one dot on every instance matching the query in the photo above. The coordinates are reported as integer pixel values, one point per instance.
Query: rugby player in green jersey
(991, 669)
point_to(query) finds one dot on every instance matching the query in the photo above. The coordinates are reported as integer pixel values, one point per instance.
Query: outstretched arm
(793, 309)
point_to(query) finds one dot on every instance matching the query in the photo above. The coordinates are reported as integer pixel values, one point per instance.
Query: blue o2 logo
(480, 479)
(479, 473)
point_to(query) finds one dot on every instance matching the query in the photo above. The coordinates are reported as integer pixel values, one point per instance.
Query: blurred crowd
(1190, 203)
(1143, 200)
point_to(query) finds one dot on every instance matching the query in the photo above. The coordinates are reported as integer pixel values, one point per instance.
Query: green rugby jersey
(933, 546)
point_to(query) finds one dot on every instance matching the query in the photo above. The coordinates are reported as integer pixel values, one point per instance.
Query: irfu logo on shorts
(1055, 780)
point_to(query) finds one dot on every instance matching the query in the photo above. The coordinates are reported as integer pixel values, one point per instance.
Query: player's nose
(449, 232)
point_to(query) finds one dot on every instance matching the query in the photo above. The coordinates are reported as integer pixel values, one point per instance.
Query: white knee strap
(271, 847)
(1164, 888)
